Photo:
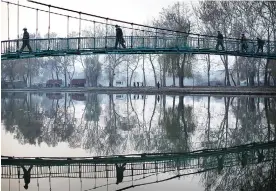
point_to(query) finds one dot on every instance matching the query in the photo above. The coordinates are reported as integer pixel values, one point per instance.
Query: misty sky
(136, 11)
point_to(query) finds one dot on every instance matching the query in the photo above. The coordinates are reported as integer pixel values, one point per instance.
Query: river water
(87, 124)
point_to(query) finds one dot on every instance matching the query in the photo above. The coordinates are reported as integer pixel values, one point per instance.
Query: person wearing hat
(243, 43)
(219, 41)
(26, 41)
(119, 37)
(260, 45)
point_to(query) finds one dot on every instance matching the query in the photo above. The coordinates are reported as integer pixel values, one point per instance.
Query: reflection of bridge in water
(140, 165)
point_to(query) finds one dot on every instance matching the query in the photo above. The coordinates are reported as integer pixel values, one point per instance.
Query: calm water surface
(82, 125)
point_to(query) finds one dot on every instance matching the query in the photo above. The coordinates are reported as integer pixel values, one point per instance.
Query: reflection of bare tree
(178, 124)
(22, 117)
(251, 177)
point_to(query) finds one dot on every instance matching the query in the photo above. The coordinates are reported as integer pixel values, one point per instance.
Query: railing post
(36, 31)
(268, 47)
(8, 7)
(49, 28)
(143, 40)
(17, 44)
(106, 33)
(67, 40)
(79, 31)
(94, 36)
(155, 38)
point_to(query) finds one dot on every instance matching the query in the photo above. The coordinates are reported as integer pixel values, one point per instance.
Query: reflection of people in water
(260, 156)
(120, 172)
(220, 163)
(243, 159)
(27, 176)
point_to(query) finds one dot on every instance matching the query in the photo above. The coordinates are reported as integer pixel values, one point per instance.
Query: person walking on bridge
(244, 45)
(260, 45)
(26, 41)
(27, 176)
(219, 41)
(119, 37)
(120, 172)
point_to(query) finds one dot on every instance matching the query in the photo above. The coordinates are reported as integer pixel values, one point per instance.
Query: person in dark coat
(219, 41)
(27, 176)
(119, 37)
(120, 173)
(26, 41)
(244, 45)
(158, 85)
(260, 45)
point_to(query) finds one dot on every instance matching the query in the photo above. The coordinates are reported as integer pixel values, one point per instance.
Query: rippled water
(82, 125)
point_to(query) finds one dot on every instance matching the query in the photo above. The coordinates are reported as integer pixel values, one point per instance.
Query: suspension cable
(36, 32)
(79, 30)
(8, 11)
(125, 22)
(137, 29)
(49, 27)
(106, 32)
(17, 24)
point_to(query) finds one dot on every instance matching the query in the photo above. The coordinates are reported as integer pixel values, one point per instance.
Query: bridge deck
(104, 166)
(134, 45)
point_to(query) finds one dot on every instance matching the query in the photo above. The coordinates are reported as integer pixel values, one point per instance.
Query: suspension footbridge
(140, 39)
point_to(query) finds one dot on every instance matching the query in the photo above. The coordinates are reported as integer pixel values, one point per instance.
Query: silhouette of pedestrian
(219, 41)
(260, 156)
(120, 172)
(158, 85)
(137, 84)
(119, 37)
(26, 41)
(243, 159)
(220, 163)
(27, 176)
(158, 98)
(260, 45)
(244, 45)
(134, 84)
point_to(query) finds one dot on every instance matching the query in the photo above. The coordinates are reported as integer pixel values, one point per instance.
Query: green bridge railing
(104, 166)
(134, 45)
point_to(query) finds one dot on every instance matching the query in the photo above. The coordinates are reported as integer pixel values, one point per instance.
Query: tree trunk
(258, 72)
(154, 72)
(173, 78)
(208, 69)
(65, 77)
(144, 75)
(266, 76)
(181, 79)
(227, 72)
(164, 74)
(251, 79)
(209, 120)
(127, 75)
(238, 71)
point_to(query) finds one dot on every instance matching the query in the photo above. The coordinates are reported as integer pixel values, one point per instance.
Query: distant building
(53, 83)
(13, 84)
(78, 96)
(78, 83)
(54, 95)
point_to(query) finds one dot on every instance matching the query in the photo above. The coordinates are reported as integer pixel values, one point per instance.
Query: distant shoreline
(155, 90)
